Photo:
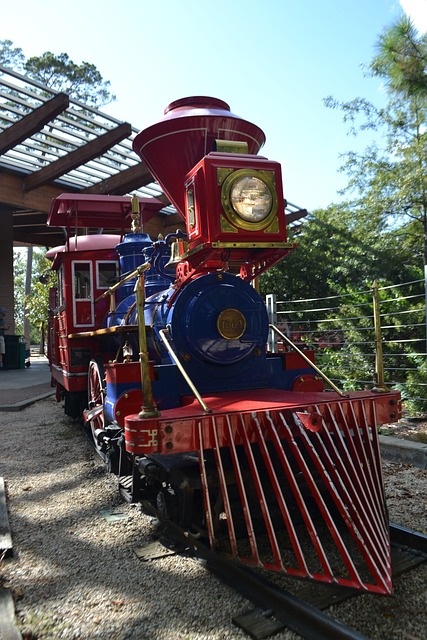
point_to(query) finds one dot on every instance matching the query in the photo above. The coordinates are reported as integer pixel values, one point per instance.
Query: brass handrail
(185, 375)
(149, 408)
(307, 359)
(133, 274)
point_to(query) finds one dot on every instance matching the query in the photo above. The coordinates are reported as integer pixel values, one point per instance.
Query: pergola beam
(29, 219)
(78, 157)
(13, 195)
(124, 182)
(51, 238)
(163, 224)
(295, 215)
(33, 122)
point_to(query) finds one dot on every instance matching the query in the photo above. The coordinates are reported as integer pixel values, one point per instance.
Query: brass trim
(111, 290)
(149, 407)
(191, 252)
(231, 146)
(237, 245)
(222, 173)
(231, 324)
(226, 225)
(252, 245)
(274, 226)
(380, 386)
(190, 204)
(101, 332)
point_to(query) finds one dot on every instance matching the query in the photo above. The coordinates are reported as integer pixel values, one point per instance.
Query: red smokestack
(187, 133)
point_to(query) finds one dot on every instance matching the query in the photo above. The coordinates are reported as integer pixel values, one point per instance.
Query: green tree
(37, 302)
(378, 233)
(402, 60)
(389, 178)
(35, 305)
(82, 82)
(11, 56)
(341, 248)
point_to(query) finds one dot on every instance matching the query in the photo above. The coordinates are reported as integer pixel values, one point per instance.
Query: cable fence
(362, 339)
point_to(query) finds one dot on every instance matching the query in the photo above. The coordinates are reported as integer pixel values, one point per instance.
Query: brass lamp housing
(210, 215)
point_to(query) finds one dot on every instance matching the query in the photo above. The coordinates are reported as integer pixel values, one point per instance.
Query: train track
(275, 608)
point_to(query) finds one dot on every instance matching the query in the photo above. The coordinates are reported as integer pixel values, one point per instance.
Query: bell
(127, 352)
(175, 258)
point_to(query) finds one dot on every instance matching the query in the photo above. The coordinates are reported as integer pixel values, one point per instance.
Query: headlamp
(249, 198)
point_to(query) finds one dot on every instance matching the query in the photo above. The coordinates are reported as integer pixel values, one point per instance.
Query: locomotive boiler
(160, 343)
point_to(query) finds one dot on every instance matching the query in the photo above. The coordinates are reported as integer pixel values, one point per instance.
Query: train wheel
(96, 398)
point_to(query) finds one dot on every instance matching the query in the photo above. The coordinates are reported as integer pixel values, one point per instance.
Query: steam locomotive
(161, 345)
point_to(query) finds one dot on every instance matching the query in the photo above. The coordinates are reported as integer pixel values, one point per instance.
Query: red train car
(161, 343)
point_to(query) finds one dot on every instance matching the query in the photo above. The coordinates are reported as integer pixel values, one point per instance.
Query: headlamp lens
(251, 199)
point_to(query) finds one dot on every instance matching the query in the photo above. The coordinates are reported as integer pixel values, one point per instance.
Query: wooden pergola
(51, 144)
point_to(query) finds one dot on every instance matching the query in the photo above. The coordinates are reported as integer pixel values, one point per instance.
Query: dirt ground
(408, 428)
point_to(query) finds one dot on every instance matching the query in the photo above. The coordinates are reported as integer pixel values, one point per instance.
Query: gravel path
(75, 573)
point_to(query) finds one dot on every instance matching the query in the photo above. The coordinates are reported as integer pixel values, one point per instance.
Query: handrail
(133, 274)
(185, 375)
(307, 359)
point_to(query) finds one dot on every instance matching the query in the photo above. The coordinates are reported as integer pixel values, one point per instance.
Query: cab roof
(87, 244)
(97, 211)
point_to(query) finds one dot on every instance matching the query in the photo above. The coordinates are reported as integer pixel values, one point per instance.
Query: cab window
(106, 274)
(61, 286)
(82, 280)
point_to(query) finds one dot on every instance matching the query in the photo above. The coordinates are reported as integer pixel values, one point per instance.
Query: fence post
(271, 305)
(379, 362)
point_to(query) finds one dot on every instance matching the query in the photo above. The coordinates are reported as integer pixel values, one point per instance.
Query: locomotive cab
(85, 269)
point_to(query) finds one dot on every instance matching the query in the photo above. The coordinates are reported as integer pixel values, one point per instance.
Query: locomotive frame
(161, 346)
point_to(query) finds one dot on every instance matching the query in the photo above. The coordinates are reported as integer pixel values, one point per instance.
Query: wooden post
(379, 362)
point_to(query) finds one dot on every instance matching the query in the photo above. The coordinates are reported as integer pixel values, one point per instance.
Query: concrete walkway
(21, 387)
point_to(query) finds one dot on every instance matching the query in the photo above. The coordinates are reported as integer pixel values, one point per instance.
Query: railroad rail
(276, 608)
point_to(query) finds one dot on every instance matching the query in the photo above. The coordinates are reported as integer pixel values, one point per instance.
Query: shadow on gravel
(76, 575)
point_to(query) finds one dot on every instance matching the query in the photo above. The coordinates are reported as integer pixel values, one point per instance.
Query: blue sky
(272, 61)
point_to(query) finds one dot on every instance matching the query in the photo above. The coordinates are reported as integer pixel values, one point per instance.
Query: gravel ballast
(75, 574)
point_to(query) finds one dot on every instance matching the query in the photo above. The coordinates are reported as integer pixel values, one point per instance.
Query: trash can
(14, 358)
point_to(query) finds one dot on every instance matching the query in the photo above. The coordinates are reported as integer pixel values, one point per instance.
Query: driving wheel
(96, 398)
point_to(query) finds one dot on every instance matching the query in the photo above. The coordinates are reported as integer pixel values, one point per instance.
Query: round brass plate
(231, 324)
